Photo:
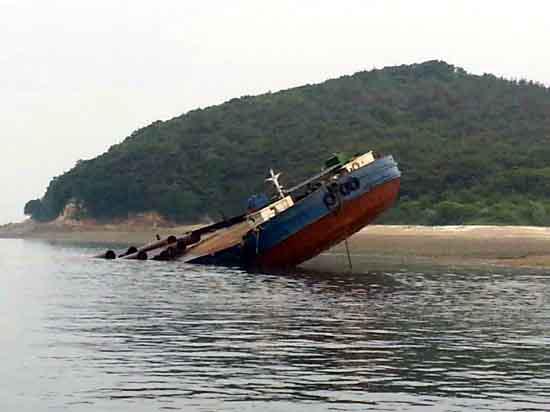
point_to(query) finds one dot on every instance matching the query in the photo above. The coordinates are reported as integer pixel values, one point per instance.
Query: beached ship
(296, 224)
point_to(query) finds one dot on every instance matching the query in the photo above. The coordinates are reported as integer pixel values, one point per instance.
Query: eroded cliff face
(75, 214)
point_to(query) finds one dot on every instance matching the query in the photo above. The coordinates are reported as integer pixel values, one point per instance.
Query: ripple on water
(128, 335)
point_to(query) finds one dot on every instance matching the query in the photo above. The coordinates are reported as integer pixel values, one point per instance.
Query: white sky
(78, 76)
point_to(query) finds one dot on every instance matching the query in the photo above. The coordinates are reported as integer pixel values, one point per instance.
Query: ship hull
(331, 229)
(318, 221)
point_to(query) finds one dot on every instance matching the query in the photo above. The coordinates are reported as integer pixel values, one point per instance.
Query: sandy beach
(453, 246)
(508, 246)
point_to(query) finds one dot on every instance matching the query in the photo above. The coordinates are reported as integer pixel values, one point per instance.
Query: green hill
(472, 149)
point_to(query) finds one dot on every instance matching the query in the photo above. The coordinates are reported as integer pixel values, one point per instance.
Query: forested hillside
(472, 149)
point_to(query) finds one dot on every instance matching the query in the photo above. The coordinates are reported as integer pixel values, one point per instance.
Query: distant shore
(504, 246)
(451, 246)
(123, 233)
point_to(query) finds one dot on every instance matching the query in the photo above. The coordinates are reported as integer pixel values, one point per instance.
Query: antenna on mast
(275, 180)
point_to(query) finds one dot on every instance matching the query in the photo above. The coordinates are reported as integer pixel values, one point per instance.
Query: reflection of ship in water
(296, 224)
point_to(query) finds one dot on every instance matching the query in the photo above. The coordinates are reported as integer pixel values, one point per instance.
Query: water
(89, 335)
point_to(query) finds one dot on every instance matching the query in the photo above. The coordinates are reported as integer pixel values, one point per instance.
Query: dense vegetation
(472, 149)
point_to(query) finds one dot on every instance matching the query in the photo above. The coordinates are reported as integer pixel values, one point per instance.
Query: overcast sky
(78, 76)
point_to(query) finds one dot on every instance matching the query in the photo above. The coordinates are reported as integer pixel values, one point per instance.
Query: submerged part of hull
(333, 228)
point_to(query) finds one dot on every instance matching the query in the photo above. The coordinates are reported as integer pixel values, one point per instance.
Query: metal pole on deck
(349, 256)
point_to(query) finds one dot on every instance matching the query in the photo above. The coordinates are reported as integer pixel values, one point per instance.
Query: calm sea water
(79, 334)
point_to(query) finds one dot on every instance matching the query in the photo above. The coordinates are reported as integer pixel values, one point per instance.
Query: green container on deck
(337, 159)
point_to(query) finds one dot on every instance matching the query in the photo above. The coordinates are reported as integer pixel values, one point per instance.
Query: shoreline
(457, 246)
(122, 233)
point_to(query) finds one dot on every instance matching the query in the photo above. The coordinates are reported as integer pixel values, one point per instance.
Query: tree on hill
(472, 149)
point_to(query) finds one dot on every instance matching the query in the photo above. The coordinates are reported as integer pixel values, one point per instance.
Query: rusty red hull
(332, 229)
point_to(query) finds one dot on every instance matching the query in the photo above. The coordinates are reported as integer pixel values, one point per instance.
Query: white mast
(275, 180)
